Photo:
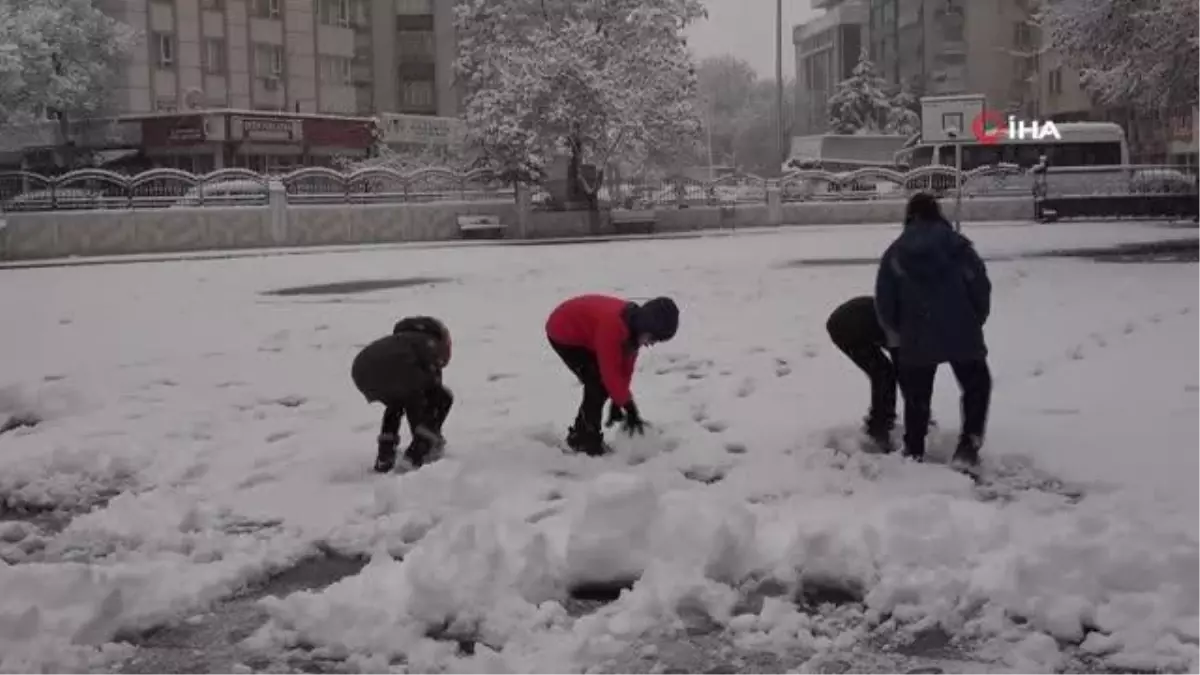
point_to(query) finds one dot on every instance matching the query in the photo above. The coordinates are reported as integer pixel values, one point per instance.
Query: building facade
(827, 49)
(346, 57)
(943, 47)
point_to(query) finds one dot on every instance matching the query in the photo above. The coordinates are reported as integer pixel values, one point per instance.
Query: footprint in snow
(746, 388)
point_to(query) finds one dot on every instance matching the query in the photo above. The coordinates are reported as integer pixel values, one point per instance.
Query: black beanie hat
(658, 317)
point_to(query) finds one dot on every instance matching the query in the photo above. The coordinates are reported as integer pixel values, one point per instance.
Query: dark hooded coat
(932, 295)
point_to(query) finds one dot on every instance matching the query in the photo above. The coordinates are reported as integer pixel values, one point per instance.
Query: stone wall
(278, 224)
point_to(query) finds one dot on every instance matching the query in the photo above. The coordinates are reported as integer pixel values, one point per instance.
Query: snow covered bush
(859, 105)
(595, 81)
(407, 161)
(904, 116)
(1128, 52)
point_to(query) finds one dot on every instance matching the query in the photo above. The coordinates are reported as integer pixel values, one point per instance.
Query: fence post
(774, 205)
(277, 208)
(524, 207)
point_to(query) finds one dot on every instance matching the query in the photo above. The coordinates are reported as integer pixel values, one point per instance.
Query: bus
(1082, 144)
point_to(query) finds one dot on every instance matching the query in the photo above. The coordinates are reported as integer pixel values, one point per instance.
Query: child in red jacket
(598, 338)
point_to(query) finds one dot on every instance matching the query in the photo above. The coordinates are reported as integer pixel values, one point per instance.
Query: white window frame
(338, 12)
(272, 9)
(277, 58)
(407, 100)
(217, 46)
(166, 50)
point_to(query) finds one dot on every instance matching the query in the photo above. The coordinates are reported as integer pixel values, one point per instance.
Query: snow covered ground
(203, 434)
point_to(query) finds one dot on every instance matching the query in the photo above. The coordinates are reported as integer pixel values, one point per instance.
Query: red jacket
(597, 322)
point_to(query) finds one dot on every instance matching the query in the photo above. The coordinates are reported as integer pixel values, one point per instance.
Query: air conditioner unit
(271, 83)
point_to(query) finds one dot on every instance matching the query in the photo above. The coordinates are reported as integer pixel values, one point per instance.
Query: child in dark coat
(854, 328)
(933, 297)
(403, 371)
(598, 337)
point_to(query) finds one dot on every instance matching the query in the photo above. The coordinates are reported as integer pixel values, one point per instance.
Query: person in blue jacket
(933, 297)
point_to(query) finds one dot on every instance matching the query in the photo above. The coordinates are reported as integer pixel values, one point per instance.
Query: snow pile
(498, 579)
(64, 616)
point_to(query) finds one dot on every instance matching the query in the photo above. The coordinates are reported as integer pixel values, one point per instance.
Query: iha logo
(991, 127)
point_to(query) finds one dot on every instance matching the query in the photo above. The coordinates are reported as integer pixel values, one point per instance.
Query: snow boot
(880, 434)
(426, 447)
(590, 443)
(966, 456)
(385, 460)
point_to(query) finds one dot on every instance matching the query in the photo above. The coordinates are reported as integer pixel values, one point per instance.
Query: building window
(335, 13)
(336, 70)
(214, 56)
(415, 45)
(1022, 35)
(409, 7)
(267, 9)
(1056, 86)
(416, 94)
(268, 61)
(165, 104)
(163, 45)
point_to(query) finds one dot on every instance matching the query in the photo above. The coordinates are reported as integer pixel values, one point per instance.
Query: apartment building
(941, 47)
(351, 57)
(827, 49)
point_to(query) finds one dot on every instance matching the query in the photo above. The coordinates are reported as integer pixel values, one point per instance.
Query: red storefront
(267, 142)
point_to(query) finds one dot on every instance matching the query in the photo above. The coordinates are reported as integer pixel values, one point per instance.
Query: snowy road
(195, 433)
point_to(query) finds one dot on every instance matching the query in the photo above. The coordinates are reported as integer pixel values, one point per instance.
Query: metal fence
(1083, 181)
(816, 185)
(169, 188)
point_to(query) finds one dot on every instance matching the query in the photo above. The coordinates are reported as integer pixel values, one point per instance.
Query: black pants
(916, 385)
(582, 362)
(429, 411)
(874, 360)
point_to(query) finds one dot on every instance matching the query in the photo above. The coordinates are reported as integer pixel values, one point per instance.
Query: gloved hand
(615, 414)
(632, 422)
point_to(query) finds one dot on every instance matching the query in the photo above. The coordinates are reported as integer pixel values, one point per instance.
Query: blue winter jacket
(933, 295)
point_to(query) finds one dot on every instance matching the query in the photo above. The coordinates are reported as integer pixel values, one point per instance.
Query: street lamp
(781, 147)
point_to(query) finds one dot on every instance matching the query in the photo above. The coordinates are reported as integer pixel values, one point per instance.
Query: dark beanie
(658, 317)
(923, 206)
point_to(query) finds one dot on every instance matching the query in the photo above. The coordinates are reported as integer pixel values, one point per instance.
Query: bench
(634, 222)
(481, 227)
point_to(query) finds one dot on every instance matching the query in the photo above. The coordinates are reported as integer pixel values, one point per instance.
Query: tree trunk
(577, 184)
(66, 148)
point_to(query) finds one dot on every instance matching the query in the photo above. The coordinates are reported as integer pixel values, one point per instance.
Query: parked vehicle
(226, 193)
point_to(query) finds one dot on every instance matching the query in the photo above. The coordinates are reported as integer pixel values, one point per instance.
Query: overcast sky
(746, 29)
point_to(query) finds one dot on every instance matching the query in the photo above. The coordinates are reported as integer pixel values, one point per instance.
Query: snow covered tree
(905, 114)
(596, 81)
(1129, 53)
(860, 104)
(58, 58)
(726, 86)
(755, 146)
